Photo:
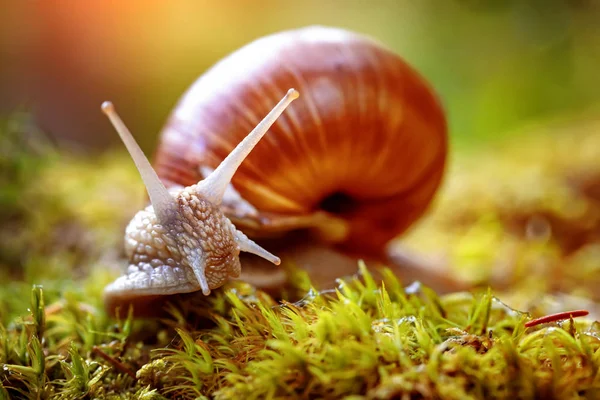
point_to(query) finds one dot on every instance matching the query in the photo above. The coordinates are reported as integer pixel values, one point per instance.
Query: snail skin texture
(344, 170)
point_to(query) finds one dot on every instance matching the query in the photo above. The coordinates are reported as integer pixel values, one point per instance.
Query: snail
(341, 173)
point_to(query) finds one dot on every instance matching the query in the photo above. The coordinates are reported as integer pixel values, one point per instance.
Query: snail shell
(358, 159)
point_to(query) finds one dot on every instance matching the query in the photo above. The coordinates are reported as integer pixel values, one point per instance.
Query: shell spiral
(367, 141)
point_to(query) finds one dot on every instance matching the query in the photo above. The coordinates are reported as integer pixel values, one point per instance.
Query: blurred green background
(496, 64)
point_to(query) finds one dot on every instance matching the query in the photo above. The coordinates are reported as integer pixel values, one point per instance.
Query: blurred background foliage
(496, 64)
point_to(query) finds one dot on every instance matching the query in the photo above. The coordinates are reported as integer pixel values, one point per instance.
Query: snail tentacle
(250, 246)
(232, 199)
(214, 186)
(162, 201)
(199, 267)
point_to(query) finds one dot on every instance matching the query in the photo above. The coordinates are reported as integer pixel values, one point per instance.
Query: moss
(536, 222)
(61, 217)
(377, 340)
(524, 214)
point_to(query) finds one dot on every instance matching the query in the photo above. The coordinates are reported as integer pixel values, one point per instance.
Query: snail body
(183, 242)
(341, 173)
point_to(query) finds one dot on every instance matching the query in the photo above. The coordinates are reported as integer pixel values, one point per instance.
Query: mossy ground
(524, 215)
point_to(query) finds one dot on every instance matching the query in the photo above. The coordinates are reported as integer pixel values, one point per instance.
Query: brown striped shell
(358, 157)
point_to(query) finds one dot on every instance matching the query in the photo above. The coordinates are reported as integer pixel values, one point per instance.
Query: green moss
(524, 214)
(531, 228)
(378, 340)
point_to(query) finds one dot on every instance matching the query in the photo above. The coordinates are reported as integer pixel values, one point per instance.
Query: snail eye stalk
(214, 185)
(163, 203)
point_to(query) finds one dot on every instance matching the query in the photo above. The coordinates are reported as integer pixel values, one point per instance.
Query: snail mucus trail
(183, 242)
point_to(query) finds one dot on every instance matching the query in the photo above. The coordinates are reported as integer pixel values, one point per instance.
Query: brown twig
(556, 317)
(116, 363)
